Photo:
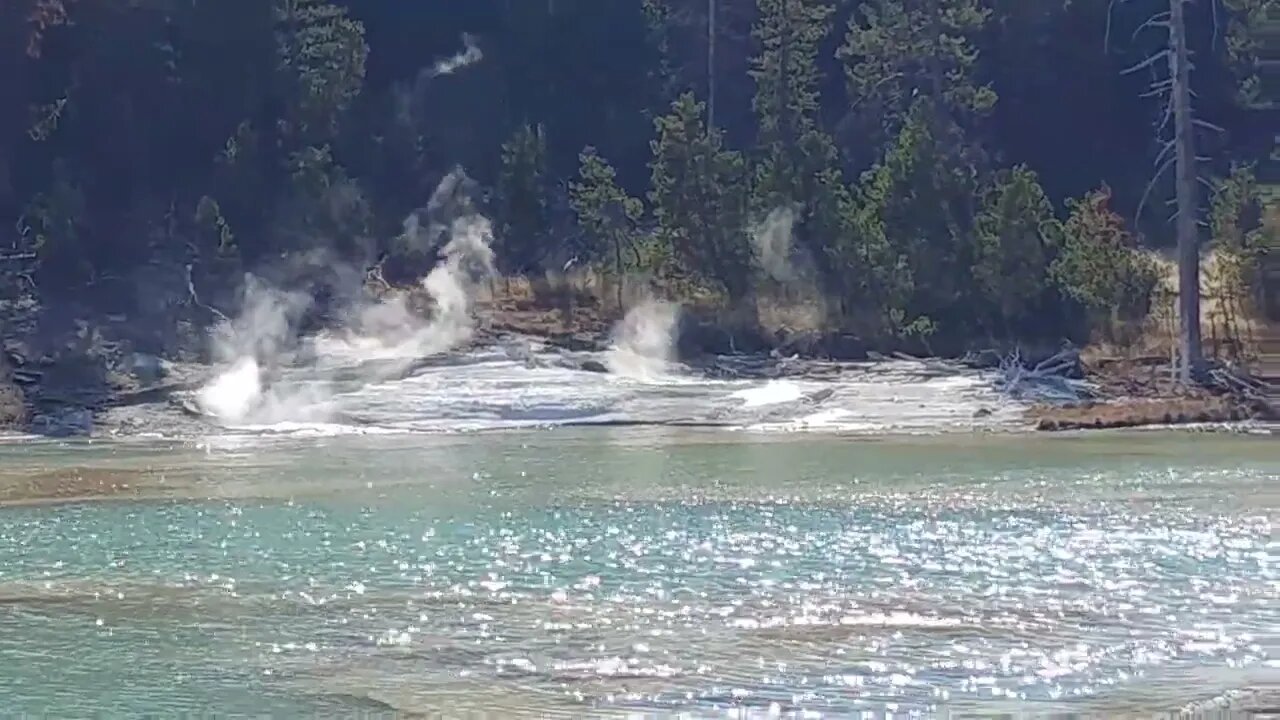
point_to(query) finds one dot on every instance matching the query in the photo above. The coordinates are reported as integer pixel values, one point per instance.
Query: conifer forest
(939, 174)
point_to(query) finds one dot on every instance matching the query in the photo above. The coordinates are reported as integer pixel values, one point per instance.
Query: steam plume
(259, 345)
(772, 240)
(470, 55)
(644, 342)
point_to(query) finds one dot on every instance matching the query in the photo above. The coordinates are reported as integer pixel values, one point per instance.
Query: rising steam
(644, 342)
(772, 241)
(379, 340)
(469, 55)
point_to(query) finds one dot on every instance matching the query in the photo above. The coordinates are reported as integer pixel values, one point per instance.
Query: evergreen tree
(1100, 267)
(522, 200)
(912, 79)
(699, 199)
(1015, 236)
(322, 56)
(607, 217)
(797, 164)
(896, 51)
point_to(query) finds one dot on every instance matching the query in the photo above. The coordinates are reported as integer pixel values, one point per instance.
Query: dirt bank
(1138, 412)
(1142, 392)
(13, 402)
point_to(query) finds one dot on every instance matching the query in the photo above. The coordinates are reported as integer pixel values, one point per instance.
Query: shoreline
(186, 473)
(64, 394)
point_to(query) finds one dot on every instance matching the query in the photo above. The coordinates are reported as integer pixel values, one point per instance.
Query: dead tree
(711, 64)
(1178, 152)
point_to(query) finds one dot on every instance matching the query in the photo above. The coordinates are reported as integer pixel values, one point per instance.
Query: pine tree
(322, 55)
(786, 74)
(522, 200)
(797, 166)
(898, 50)
(1100, 267)
(699, 199)
(786, 71)
(910, 70)
(1015, 234)
(607, 216)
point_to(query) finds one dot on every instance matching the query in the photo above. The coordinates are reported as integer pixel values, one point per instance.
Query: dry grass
(1139, 412)
(794, 309)
(1230, 325)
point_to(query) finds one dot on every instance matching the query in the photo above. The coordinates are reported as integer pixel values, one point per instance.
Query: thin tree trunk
(1188, 240)
(711, 64)
(617, 264)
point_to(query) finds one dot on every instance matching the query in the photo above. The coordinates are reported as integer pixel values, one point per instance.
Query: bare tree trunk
(711, 64)
(1188, 234)
(617, 260)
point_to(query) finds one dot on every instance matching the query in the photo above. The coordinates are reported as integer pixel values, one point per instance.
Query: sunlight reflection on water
(554, 574)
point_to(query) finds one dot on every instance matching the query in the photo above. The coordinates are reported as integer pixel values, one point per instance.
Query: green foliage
(323, 206)
(1015, 235)
(522, 200)
(1245, 23)
(699, 198)
(213, 223)
(607, 217)
(1241, 240)
(230, 133)
(878, 275)
(1099, 265)
(797, 164)
(786, 72)
(786, 75)
(322, 54)
(1235, 218)
(917, 225)
(896, 50)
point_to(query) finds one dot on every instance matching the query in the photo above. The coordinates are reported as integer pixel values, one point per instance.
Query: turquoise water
(642, 573)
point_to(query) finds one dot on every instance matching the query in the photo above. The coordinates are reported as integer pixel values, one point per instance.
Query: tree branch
(1160, 156)
(1168, 115)
(1158, 88)
(1151, 185)
(1159, 20)
(1208, 126)
(1162, 55)
(195, 298)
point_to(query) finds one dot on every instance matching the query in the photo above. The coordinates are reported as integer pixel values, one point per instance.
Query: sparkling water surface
(639, 573)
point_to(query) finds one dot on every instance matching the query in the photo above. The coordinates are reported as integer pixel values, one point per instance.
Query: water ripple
(1014, 589)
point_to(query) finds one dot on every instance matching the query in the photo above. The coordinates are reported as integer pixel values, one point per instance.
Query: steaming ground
(522, 384)
(409, 380)
(393, 369)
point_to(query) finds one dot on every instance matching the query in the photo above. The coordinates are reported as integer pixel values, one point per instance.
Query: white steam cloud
(470, 55)
(380, 340)
(772, 241)
(644, 342)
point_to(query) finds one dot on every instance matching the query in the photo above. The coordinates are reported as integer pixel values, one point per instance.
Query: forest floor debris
(1126, 393)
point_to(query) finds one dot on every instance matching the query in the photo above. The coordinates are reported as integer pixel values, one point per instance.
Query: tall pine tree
(699, 199)
(797, 159)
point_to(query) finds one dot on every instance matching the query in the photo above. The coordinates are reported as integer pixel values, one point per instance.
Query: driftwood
(1236, 384)
(195, 297)
(148, 395)
(1046, 380)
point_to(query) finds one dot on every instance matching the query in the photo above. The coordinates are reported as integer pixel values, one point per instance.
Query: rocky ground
(64, 378)
(1143, 392)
